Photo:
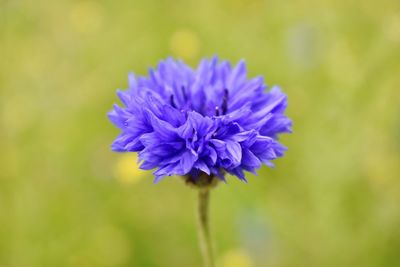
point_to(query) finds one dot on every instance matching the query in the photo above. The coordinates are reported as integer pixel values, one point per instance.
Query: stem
(204, 230)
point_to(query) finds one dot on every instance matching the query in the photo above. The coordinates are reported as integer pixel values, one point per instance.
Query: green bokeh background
(333, 200)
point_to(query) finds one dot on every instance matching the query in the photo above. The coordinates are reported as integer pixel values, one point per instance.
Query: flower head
(208, 120)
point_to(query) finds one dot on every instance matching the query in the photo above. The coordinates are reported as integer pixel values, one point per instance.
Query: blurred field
(67, 200)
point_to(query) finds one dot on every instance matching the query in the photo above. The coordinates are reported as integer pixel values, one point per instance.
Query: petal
(164, 130)
(235, 151)
(147, 165)
(187, 160)
(116, 119)
(125, 97)
(239, 173)
(148, 139)
(202, 166)
(277, 124)
(210, 155)
(220, 146)
(167, 170)
(249, 159)
(132, 83)
(237, 77)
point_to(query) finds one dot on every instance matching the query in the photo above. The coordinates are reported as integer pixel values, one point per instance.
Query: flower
(209, 120)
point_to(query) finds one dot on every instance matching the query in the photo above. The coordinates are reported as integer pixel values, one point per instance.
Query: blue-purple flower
(208, 120)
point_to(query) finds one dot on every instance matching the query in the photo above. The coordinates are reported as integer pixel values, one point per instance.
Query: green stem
(204, 229)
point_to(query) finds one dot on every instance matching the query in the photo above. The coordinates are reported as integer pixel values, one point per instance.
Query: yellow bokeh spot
(381, 166)
(236, 258)
(86, 17)
(184, 43)
(391, 28)
(126, 169)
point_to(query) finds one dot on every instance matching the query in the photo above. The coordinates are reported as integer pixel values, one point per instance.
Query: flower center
(224, 106)
(172, 101)
(187, 106)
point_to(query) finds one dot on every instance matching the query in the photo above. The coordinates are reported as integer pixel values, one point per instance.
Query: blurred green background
(67, 200)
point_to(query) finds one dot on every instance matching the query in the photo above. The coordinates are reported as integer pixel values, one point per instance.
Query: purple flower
(209, 120)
